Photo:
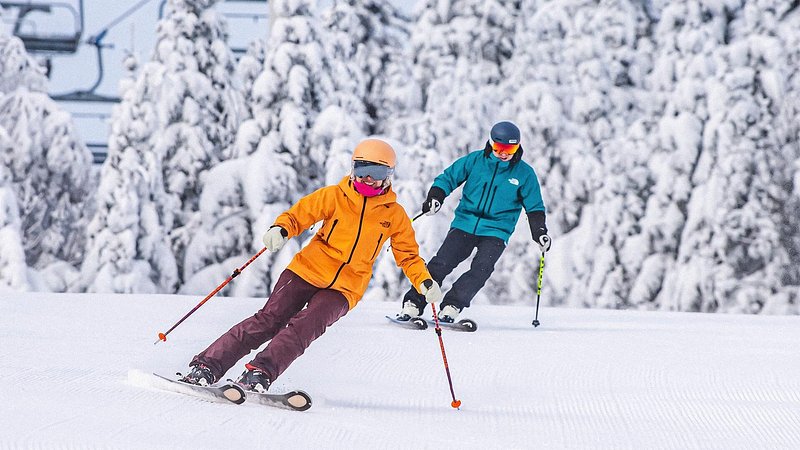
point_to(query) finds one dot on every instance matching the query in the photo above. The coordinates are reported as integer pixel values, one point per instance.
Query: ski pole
(535, 322)
(455, 403)
(236, 272)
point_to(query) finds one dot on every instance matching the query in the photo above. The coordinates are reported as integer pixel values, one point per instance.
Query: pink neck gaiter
(366, 190)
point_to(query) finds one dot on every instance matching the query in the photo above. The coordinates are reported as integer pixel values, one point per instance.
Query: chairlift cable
(119, 19)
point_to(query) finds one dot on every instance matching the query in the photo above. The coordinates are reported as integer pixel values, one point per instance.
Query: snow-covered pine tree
(128, 247)
(48, 170)
(573, 91)
(788, 125)
(734, 249)
(200, 107)
(18, 68)
(13, 268)
(369, 38)
(294, 87)
(243, 197)
(248, 68)
(178, 120)
(459, 49)
(686, 39)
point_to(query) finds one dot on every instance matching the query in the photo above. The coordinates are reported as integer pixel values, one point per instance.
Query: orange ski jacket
(341, 254)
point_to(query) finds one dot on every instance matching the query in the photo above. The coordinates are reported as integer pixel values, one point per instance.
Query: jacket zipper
(353, 250)
(375, 252)
(330, 233)
(480, 216)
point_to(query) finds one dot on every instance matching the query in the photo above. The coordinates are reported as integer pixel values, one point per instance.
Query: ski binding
(229, 391)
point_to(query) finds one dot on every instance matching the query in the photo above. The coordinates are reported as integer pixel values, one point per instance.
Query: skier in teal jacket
(498, 184)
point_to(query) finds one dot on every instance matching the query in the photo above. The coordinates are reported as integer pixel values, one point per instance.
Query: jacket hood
(487, 151)
(346, 185)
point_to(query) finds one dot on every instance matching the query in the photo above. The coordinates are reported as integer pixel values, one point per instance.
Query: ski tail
(230, 392)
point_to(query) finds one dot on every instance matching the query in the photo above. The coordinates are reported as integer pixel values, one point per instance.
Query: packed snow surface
(76, 366)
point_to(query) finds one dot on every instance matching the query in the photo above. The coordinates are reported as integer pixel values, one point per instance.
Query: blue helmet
(505, 133)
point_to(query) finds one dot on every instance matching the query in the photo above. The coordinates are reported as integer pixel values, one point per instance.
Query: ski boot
(199, 375)
(409, 311)
(448, 314)
(253, 379)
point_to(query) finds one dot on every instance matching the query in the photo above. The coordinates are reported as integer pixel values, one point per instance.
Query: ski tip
(468, 324)
(420, 323)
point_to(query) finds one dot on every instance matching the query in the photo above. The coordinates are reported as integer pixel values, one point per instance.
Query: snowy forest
(664, 134)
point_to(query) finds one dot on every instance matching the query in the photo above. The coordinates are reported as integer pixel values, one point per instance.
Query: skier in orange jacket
(328, 276)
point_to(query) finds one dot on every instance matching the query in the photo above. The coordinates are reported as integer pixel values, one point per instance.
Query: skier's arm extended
(307, 211)
(531, 196)
(455, 175)
(406, 252)
(447, 182)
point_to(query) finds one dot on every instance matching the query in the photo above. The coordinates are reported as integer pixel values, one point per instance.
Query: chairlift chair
(62, 41)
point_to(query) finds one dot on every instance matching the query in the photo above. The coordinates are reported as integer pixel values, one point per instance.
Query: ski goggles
(508, 149)
(378, 172)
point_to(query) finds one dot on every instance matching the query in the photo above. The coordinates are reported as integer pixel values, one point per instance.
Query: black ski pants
(457, 247)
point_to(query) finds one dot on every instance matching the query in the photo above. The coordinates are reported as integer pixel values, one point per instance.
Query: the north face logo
(386, 224)
(514, 181)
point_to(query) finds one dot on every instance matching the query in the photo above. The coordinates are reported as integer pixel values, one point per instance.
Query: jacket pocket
(377, 246)
(491, 202)
(330, 233)
(480, 202)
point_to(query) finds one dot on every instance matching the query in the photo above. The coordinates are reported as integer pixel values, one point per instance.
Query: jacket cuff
(284, 233)
(437, 193)
(536, 220)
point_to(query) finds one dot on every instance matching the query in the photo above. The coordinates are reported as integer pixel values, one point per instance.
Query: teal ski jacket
(494, 192)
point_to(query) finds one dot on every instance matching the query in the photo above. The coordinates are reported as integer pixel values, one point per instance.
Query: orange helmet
(376, 151)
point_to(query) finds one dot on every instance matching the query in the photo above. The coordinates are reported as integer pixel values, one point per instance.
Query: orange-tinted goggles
(499, 147)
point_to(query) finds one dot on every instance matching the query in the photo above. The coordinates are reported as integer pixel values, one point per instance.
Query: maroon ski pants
(282, 320)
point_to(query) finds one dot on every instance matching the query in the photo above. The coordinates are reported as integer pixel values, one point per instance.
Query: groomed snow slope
(73, 367)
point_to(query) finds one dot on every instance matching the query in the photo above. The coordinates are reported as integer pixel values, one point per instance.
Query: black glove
(434, 201)
(536, 220)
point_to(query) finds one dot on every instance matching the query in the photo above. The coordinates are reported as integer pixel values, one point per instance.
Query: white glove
(544, 243)
(274, 239)
(430, 289)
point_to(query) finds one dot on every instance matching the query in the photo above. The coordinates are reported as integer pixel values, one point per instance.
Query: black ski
(415, 323)
(462, 325)
(228, 391)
